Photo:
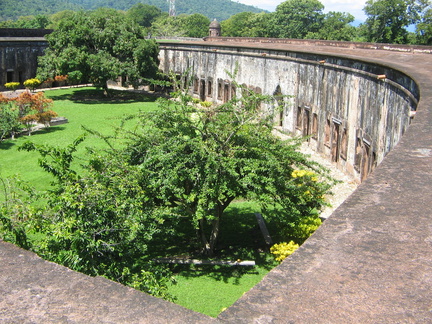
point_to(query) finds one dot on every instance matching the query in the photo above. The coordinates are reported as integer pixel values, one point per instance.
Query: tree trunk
(210, 244)
(206, 245)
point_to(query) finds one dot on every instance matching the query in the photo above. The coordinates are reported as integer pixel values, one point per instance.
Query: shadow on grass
(240, 239)
(9, 143)
(97, 96)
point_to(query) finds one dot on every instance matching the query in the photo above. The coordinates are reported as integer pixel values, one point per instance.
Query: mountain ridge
(214, 9)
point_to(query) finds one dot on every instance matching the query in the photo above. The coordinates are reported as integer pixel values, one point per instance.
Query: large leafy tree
(102, 45)
(388, 20)
(297, 18)
(336, 26)
(144, 14)
(246, 24)
(195, 161)
(424, 27)
(195, 25)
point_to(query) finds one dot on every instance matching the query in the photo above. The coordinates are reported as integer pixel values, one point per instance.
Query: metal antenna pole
(172, 10)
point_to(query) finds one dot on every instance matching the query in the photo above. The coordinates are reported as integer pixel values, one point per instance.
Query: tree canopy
(387, 20)
(297, 18)
(195, 160)
(99, 46)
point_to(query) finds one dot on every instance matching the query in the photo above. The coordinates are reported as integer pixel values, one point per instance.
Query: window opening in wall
(209, 88)
(335, 143)
(244, 90)
(327, 132)
(202, 92)
(358, 153)
(219, 93)
(365, 168)
(195, 87)
(226, 93)
(374, 162)
(306, 122)
(233, 92)
(299, 118)
(314, 126)
(344, 144)
(9, 76)
(280, 105)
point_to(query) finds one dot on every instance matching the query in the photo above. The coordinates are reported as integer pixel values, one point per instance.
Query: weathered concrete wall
(355, 112)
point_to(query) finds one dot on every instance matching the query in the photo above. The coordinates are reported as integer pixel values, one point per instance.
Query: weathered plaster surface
(357, 117)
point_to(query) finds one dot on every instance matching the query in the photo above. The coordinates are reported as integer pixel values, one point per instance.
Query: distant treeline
(219, 9)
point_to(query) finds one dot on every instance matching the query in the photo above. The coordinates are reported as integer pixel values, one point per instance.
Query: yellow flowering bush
(32, 83)
(12, 85)
(305, 173)
(306, 227)
(205, 104)
(281, 250)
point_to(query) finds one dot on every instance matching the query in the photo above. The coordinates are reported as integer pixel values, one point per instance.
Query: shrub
(32, 83)
(12, 85)
(205, 104)
(306, 227)
(282, 250)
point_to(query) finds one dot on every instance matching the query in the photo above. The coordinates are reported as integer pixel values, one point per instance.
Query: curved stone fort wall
(355, 112)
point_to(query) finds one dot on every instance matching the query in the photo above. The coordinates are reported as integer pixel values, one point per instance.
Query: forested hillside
(219, 9)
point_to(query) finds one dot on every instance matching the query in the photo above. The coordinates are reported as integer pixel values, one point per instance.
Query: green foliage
(246, 24)
(195, 160)
(305, 228)
(282, 250)
(12, 9)
(99, 46)
(219, 9)
(195, 25)
(335, 26)
(144, 14)
(9, 120)
(297, 18)
(168, 26)
(424, 27)
(109, 208)
(18, 216)
(388, 19)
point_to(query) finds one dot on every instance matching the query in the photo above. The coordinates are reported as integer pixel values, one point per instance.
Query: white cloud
(353, 7)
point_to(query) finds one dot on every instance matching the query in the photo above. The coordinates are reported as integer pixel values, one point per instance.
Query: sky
(354, 7)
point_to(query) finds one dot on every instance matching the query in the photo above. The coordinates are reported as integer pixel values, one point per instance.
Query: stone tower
(215, 29)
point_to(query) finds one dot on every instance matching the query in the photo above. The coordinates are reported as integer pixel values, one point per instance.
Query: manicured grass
(210, 293)
(82, 107)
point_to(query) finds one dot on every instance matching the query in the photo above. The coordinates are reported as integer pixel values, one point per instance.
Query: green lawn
(94, 112)
(210, 292)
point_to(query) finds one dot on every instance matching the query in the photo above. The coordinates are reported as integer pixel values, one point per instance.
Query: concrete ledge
(36, 291)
